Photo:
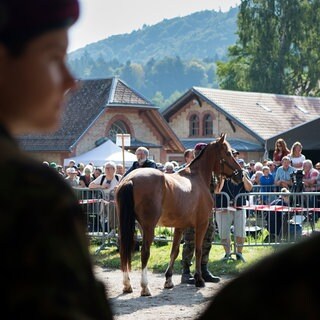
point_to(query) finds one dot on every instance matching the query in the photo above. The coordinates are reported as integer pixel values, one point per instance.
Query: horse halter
(235, 172)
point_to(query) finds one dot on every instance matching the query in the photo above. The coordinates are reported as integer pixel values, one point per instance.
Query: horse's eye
(228, 153)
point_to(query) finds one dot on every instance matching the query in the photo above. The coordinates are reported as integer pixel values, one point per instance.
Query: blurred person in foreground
(287, 282)
(46, 269)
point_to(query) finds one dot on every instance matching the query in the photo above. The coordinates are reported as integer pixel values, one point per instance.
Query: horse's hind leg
(147, 238)
(126, 283)
(173, 256)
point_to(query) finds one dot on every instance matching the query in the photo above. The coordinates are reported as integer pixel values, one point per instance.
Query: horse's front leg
(147, 238)
(199, 236)
(173, 256)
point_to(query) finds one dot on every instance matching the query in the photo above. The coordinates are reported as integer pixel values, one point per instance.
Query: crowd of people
(268, 177)
(280, 172)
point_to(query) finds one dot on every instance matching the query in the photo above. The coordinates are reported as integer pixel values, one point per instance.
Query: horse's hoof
(200, 283)
(168, 284)
(145, 292)
(127, 289)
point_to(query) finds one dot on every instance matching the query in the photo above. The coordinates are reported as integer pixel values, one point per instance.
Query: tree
(168, 74)
(277, 50)
(158, 99)
(195, 74)
(133, 73)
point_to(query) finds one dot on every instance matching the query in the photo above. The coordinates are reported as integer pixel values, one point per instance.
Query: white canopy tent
(107, 151)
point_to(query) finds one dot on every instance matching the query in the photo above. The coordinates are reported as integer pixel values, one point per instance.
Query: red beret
(199, 146)
(21, 20)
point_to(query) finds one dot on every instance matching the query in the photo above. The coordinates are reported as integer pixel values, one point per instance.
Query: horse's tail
(126, 215)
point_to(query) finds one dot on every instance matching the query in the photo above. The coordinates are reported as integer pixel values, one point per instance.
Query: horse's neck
(203, 167)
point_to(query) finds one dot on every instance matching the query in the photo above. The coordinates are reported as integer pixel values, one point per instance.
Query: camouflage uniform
(46, 268)
(188, 246)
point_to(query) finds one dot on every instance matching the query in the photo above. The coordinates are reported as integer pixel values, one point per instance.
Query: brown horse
(178, 200)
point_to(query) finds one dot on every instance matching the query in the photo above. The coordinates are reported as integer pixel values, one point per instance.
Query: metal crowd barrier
(265, 224)
(99, 209)
(271, 225)
(286, 222)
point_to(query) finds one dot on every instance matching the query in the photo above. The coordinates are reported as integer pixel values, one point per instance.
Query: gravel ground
(181, 302)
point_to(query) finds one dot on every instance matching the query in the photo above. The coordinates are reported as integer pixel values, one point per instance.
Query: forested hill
(201, 35)
(164, 60)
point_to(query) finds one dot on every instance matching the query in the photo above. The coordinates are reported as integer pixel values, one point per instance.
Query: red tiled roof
(264, 114)
(83, 107)
(125, 95)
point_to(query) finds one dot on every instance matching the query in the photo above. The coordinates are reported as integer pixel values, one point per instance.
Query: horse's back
(145, 180)
(172, 200)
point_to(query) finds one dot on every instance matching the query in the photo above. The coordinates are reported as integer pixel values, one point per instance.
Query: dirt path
(182, 302)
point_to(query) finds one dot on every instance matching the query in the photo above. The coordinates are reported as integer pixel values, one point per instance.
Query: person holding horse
(143, 161)
(188, 245)
(46, 268)
(228, 213)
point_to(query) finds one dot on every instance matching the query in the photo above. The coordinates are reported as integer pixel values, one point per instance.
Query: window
(207, 125)
(194, 126)
(117, 127)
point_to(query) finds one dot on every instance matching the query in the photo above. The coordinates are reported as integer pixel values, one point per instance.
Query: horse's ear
(222, 137)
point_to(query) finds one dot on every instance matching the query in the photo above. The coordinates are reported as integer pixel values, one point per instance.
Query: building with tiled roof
(251, 120)
(97, 110)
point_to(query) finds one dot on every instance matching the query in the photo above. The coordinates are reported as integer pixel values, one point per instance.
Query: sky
(100, 19)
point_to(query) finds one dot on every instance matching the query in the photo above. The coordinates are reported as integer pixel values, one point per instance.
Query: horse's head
(229, 167)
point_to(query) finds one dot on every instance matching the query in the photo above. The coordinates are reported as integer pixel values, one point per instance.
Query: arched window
(207, 125)
(117, 127)
(194, 126)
